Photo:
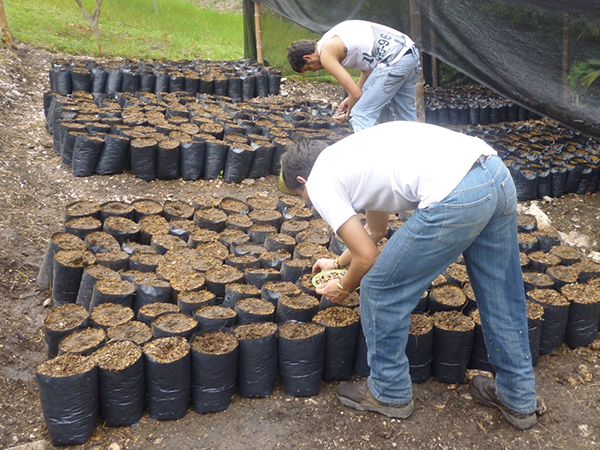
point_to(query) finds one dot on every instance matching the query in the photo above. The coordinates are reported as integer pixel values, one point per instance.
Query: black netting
(541, 55)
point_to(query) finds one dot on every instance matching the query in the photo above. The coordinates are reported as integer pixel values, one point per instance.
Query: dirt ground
(34, 189)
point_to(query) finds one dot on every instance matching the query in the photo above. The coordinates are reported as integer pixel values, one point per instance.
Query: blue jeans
(395, 84)
(478, 219)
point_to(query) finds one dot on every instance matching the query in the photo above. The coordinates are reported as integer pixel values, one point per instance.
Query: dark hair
(296, 52)
(299, 160)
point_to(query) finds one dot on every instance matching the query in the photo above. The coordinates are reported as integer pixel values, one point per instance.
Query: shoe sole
(521, 424)
(403, 412)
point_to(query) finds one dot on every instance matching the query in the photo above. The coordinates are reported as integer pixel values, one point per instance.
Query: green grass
(129, 28)
(132, 29)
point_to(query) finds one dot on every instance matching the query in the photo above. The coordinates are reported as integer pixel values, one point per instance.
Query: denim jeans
(478, 219)
(395, 84)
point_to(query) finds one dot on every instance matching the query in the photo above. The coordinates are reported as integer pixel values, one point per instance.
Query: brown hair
(296, 52)
(299, 160)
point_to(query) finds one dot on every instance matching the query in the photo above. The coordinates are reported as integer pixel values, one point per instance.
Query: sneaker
(483, 390)
(358, 396)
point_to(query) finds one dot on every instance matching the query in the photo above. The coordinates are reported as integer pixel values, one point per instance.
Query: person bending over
(464, 202)
(388, 62)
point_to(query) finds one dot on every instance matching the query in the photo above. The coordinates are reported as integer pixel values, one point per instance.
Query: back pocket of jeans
(394, 79)
(463, 222)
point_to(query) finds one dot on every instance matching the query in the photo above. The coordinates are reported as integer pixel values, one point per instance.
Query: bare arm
(362, 250)
(332, 53)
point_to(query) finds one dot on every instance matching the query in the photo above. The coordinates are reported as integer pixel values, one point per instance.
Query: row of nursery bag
(177, 136)
(236, 79)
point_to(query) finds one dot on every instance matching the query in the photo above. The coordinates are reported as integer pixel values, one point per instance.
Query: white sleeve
(330, 199)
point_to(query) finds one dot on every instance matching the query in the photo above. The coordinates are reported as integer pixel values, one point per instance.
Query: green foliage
(583, 74)
(131, 29)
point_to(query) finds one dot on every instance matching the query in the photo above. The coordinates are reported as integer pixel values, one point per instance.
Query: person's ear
(301, 180)
(307, 57)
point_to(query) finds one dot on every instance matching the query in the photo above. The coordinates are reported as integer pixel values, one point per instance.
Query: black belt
(479, 160)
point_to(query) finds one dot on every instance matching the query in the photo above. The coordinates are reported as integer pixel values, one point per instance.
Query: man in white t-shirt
(388, 62)
(464, 202)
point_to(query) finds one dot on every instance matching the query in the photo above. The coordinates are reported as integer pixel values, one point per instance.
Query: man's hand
(340, 118)
(343, 107)
(323, 264)
(331, 292)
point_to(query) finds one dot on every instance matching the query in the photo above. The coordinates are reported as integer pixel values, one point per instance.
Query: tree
(94, 18)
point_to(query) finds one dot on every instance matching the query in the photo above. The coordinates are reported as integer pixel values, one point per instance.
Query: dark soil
(36, 188)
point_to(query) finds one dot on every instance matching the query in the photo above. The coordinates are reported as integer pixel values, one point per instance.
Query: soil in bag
(122, 229)
(253, 310)
(190, 301)
(341, 334)
(568, 255)
(263, 155)
(82, 342)
(214, 317)
(191, 159)
(239, 159)
(452, 342)
(220, 276)
(68, 387)
(111, 290)
(215, 157)
(584, 311)
(175, 324)
(234, 292)
(92, 274)
(151, 290)
(167, 160)
(112, 157)
(107, 315)
(82, 208)
(562, 275)
(168, 397)
(134, 331)
(555, 319)
(67, 272)
(101, 242)
(272, 290)
(121, 383)
(151, 311)
(352, 301)
(301, 352)
(275, 260)
(143, 158)
(61, 322)
(258, 277)
(281, 146)
(146, 207)
(178, 209)
(301, 308)
(419, 347)
(535, 314)
(214, 370)
(86, 153)
(479, 353)
(257, 359)
(58, 241)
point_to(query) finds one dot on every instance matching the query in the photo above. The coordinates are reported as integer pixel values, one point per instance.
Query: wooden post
(259, 43)
(6, 37)
(415, 34)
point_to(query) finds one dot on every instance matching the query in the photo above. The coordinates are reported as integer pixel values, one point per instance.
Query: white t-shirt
(368, 43)
(394, 166)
